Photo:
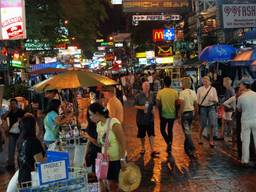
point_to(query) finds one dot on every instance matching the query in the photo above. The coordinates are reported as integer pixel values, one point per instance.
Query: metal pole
(198, 26)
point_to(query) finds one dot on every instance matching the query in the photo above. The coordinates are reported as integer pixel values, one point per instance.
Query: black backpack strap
(206, 95)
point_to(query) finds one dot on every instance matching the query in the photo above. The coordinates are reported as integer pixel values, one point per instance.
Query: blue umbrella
(217, 53)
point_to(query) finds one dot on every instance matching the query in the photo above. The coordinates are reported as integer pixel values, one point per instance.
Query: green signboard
(17, 64)
(107, 44)
(36, 45)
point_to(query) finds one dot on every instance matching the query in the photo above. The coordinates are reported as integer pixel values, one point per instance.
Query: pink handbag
(102, 160)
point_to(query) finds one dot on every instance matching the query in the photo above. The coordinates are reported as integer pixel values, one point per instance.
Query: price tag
(52, 172)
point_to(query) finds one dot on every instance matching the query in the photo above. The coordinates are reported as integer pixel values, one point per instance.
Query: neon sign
(160, 35)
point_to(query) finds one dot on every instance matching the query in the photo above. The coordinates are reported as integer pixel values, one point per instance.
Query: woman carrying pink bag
(112, 139)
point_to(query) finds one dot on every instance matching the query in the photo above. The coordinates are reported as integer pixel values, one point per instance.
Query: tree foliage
(45, 19)
(42, 19)
(84, 18)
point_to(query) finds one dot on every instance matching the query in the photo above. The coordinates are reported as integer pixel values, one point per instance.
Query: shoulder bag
(102, 160)
(15, 128)
(200, 105)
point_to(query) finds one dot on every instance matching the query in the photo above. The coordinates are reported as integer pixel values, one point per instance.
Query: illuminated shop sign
(163, 35)
(141, 55)
(239, 15)
(36, 45)
(119, 45)
(12, 16)
(99, 40)
(143, 61)
(17, 64)
(164, 51)
(149, 6)
(106, 43)
(116, 2)
(156, 17)
(150, 54)
(164, 60)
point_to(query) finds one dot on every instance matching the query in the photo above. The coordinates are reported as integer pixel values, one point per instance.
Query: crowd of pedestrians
(151, 95)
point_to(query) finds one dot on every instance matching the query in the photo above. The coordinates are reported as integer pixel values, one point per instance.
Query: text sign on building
(160, 35)
(239, 15)
(116, 2)
(149, 6)
(156, 17)
(12, 16)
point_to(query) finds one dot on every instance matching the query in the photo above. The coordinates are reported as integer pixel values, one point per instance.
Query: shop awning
(41, 66)
(250, 35)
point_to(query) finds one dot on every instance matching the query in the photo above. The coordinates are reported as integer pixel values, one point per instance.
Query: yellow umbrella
(73, 79)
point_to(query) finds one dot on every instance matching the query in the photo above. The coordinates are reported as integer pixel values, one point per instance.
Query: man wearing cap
(114, 105)
(207, 98)
(247, 105)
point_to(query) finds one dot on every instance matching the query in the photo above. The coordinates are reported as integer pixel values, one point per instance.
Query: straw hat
(130, 179)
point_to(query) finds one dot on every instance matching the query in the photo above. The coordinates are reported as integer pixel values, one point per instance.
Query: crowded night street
(213, 170)
(127, 95)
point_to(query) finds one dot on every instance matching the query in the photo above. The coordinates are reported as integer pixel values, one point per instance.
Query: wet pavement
(214, 169)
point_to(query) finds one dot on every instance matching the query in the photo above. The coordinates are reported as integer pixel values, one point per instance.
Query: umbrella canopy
(73, 79)
(249, 55)
(217, 53)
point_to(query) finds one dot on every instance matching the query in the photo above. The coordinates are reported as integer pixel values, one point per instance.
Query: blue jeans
(208, 116)
(186, 122)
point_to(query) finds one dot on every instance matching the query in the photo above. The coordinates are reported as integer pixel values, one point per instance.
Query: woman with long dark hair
(30, 149)
(52, 122)
(117, 142)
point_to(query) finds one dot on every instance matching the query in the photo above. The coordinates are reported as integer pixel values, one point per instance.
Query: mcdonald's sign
(158, 35)
(163, 35)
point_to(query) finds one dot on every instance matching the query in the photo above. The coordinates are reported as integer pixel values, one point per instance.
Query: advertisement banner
(153, 6)
(164, 51)
(239, 15)
(12, 17)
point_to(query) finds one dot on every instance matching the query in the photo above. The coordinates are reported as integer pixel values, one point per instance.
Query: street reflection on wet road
(213, 170)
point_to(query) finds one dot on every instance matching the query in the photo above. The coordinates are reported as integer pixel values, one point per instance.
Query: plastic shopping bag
(12, 185)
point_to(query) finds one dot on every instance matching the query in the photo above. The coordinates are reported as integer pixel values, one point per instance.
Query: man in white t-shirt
(207, 98)
(247, 105)
(188, 101)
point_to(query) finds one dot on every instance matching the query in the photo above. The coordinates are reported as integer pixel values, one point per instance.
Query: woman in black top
(30, 149)
(90, 133)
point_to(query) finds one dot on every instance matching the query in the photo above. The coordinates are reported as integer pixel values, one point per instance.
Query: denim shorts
(208, 116)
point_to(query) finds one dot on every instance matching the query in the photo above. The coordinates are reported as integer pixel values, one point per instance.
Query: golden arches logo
(158, 35)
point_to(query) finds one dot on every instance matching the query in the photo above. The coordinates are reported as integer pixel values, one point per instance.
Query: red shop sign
(158, 35)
